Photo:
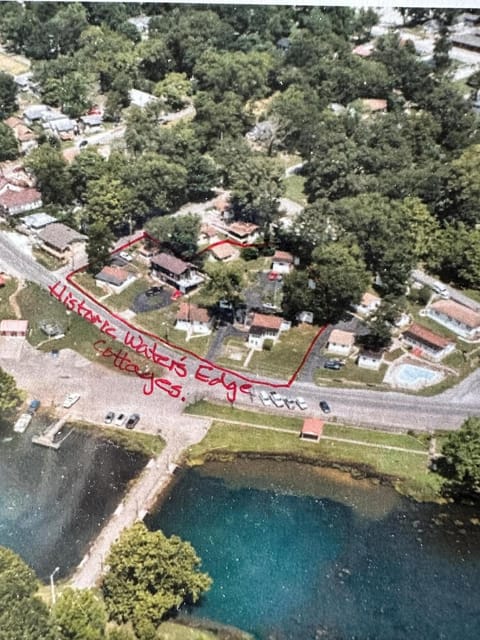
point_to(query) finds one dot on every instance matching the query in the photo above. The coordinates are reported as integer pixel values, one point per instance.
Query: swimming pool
(413, 376)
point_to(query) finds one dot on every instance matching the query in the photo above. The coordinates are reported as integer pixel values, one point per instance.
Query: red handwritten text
(212, 376)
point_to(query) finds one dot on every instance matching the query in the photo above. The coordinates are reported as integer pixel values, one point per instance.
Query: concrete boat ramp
(48, 438)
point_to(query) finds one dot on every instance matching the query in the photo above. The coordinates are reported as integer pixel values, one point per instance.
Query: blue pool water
(409, 375)
(331, 564)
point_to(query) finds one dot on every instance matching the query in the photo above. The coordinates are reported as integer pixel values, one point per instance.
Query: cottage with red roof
(182, 275)
(117, 278)
(464, 322)
(13, 328)
(282, 262)
(15, 199)
(312, 429)
(224, 252)
(265, 327)
(242, 232)
(427, 342)
(25, 136)
(193, 319)
(368, 304)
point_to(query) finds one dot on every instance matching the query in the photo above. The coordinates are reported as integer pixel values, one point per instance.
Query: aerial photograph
(239, 321)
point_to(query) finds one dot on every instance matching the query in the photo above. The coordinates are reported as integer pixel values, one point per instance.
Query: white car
(301, 403)
(126, 256)
(277, 399)
(70, 400)
(120, 419)
(265, 398)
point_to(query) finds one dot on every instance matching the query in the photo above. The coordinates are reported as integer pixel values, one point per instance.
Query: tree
(109, 201)
(99, 245)
(174, 90)
(8, 143)
(464, 184)
(441, 50)
(216, 119)
(51, 173)
(462, 452)
(10, 396)
(8, 95)
(149, 576)
(78, 614)
(22, 614)
(87, 167)
(225, 282)
(179, 234)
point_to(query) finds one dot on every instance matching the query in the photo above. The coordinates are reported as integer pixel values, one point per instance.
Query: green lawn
(87, 282)
(135, 441)
(46, 260)
(351, 372)
(407, 471)
(472, 293)
(294, 189)
(124, 300)
(6, 311)
(286, 355)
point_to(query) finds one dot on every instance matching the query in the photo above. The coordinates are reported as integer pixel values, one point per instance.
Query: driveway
(143, 303)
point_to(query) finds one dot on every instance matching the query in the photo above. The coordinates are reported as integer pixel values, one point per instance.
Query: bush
(249, 253)
(268, 251)
(267, 345)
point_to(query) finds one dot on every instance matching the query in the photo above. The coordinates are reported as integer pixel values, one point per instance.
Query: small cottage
(341, 342)
(15, 200)
(370, 359)
(242, 232)
(282, 262)
(265, 327)
(117, 278)
(464, 322)
(193, 319)
(312, 429)
(224, 252)
(428, 343)
(368, 304)
(58, 240)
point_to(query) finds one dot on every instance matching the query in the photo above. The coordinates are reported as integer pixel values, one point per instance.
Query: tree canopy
(10, 395)
(462, 451)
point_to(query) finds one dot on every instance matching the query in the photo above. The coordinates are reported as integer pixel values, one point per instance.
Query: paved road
(458, 296)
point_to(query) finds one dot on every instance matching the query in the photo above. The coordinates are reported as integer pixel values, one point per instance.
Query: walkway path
(138, 501)
(13, 299)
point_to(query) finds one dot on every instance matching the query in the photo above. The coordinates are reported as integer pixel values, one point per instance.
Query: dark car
(132, 421)
(83, 143)
(153, 291)
(332, 364)
(109, 418)
(324, 406)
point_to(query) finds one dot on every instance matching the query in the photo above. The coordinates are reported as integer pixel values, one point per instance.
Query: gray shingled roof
(59, 236)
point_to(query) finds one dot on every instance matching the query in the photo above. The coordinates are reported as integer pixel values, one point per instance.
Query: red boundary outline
(287, 385)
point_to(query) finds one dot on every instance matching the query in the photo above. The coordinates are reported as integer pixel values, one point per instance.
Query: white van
(441, 289)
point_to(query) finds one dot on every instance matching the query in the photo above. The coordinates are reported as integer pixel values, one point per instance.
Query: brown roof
(223, 251)
(191, 312)
(170, 263)
(282, 256)
(422, 334)
(22, 132)
(11, 198)
(113, 275)
(368, 299)
(262, 321)
(208, 230)
(458, 312)
(242, 229)
(363, 50)
(59, 236)
(342, 337)
(375, 104)
(312, 426)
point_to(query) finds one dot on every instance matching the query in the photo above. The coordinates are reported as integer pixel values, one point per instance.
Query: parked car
(153, 291)
(176, 295)
(33, 406)
(132, 420)
(290, 403)
(441, 289)
(126, 256)
(267, 307)
(120, 419)
(332, 364)
(324, 406)
(277, 399)
(70, 400)
(109, 418)
(83, 143)
(301, 403)
(265, 398)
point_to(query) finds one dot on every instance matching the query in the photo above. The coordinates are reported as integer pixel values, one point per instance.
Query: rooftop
(170, 263)
(18, 326)
(345, 338)
(38, 220)
(113, 275)
(282, 256)
(458, 312)
(262, 321)
(374, 104)
(12, 198)
(59, 236)
(189, 312)
(368, 299)
(422, 334)
(312, 427)
(242, 229)
(223, 251)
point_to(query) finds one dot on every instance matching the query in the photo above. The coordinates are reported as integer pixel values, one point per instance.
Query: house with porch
(15, 199)
(175, 272)
(265, 327)
(464, 322)
(193, 319)
(58, 240)
(368, 304)
(242, 232)
(282, 262)
(427, 343)
(341, 342)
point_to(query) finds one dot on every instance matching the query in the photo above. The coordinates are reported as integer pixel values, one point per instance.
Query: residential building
(265, 327)
(141, 98)
(364, 50)
(370, 359)
(224, 252)
(15, 200)
(182, 275)
(428, 343)
(469, 41)
(305, 316)
(116, 277)
(312, 429)
(341, 342)
(368, 304)
(193, 319)
(242, 232)
(25, 137)
(374, 105)
(91, 122)
(35, 113)
(58, 240)
(464, 322)
(37, 221)
(208, 234)
(282, 262)
(13, 328)
(64, 128)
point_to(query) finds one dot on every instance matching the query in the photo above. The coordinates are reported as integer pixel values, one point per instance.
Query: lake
(53, 503)
(302, 553)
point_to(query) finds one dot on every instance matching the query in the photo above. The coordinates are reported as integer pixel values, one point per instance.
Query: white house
(428, 343)
(242, 232)
(182, 275)
(464, 322)
(265, 327)
(370, 360)
(282, 262)
(341, 342)
(14, 200)
(116, 277)
(368, 304)
(193, 319)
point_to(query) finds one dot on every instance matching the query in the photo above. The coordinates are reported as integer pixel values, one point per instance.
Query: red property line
(144, 235)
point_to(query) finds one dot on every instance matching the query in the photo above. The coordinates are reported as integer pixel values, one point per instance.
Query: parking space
(161, 299)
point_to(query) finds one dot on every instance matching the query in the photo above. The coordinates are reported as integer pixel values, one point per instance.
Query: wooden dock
(47, 438)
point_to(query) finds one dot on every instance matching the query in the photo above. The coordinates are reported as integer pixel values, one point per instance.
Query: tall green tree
(179, 233)
(8, 143)
(10, 395)
(108, 200)
(51, 173)
(22, 614)
(99, 245)
(78, 614)
(462, 451)
(224, 283)
(150, 576)
(8, 95)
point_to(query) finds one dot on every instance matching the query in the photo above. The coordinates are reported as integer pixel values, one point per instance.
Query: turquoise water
(53, 503)
(341, 562)
(410, 376)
